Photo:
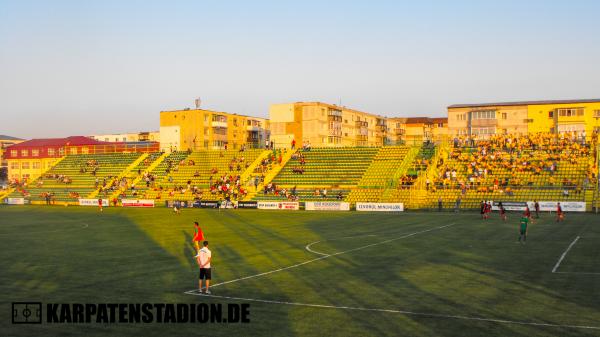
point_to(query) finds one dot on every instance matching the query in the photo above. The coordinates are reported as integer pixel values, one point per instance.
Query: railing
(113, 148)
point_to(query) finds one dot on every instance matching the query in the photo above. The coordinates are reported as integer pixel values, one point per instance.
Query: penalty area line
(336, 239)
(329, 255)
(564, 254)
(397, 311)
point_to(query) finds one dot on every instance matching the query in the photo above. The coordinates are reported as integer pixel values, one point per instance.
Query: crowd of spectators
(504, 162)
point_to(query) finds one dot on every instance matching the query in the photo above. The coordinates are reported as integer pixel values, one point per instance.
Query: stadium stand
(379, 174)
(205, 174)
(506, 168)
(502, 168)
(331, 171)
(77, 176)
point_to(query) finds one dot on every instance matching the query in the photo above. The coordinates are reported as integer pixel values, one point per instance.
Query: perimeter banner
(567, 206)
(509, 205)
(379, 207)
(326, 206)
(93, 202)
(15, 201)
(283, 205)
(137, 203)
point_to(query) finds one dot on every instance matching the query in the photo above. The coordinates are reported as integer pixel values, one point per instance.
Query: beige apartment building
(323, 124)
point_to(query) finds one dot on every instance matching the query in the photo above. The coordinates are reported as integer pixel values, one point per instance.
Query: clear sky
(85, 67)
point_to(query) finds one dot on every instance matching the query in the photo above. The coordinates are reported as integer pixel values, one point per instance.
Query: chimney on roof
(197, 102)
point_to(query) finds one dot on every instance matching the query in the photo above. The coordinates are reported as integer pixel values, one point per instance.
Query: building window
(218, 143)
(14, 166)
(124, 139)
(73, 150)
(51, 152)
(596, 113)
(25, 165)
(35, 153)
(483, 131)
(24, 153)
(461, 117)
(504, 115)
(13, 153)
(486, 114)
(219, 118)
(570, 112)
(61, 151)
(35, 165)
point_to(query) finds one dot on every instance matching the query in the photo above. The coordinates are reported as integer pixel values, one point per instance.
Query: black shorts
(523, 232)
(205, 274)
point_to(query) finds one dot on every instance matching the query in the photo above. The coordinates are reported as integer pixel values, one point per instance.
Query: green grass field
(470, 278)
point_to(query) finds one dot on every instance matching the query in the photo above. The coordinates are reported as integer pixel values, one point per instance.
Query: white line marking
(85, 225)
(329, 255)
(343, 238)
(405, 312)
(563, 255)
(576, 272)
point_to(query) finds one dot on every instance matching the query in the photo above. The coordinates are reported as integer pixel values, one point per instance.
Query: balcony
(333, 112)
(253, 128)
(333, 118)
(400, 132)
(381, 128)
(219, 124)
(361, 124)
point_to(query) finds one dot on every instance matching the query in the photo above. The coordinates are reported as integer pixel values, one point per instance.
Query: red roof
(70, 141)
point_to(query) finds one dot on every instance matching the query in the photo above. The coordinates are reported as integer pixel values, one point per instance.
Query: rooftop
(211, 111)
(567, 101)
(71, 141)
(5, 137)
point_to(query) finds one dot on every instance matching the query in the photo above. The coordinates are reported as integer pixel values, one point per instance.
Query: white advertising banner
(510, 205)
(326, 206)
(379, 207)
(284, 205)
(93, 202)
(137, 203)
(15, 201)
(567, 206)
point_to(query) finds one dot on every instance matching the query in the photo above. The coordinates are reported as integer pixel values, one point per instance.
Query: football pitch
(308, 273)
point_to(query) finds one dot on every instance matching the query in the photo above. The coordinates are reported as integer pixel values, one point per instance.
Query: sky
(95, 67)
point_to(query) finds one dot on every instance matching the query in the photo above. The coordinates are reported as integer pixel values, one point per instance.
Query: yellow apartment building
(415, 130)
(197, 129)
(557, 116)
(323, 125)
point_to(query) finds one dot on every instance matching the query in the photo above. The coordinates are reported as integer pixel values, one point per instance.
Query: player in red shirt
(527, 214)
(502, 211)
(198, 237)
(487, 210)
(100, 204)
(559, 213)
